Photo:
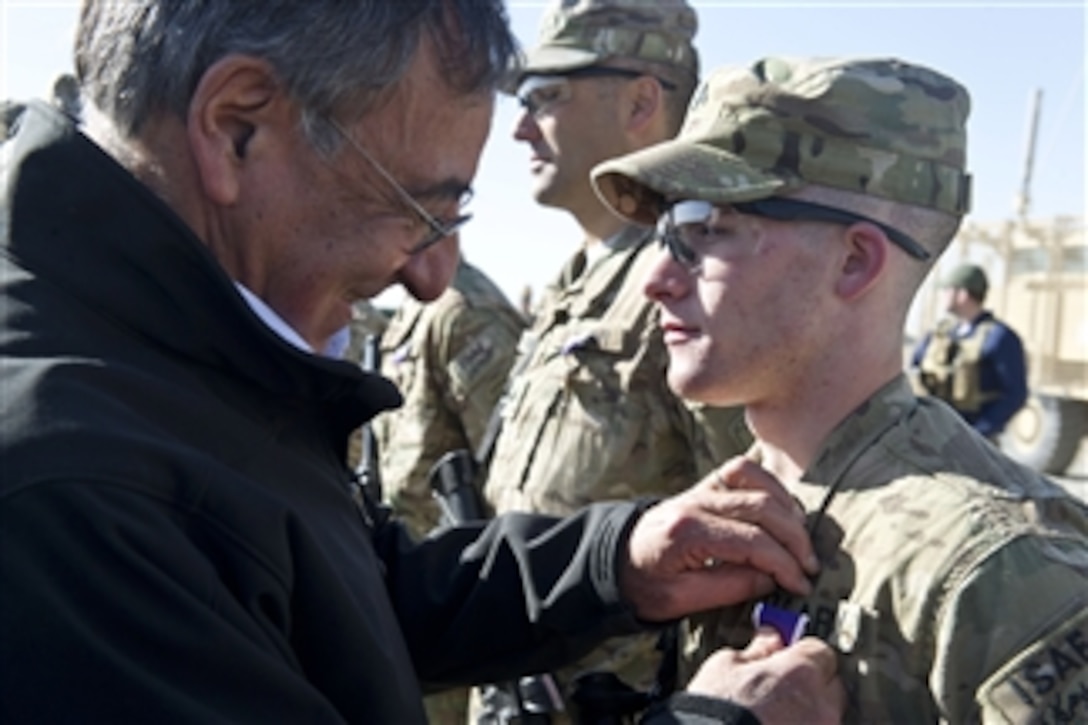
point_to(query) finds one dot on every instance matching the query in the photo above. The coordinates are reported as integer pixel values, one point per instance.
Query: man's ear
(646, 99)
(864, 261)
(237, 101)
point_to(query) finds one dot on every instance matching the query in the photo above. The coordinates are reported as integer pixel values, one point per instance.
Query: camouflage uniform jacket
(450, 359)
(590, 416)
(954, 583)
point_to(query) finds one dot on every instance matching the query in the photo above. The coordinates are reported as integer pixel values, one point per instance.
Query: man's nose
(426, 275)
(664, 279)
(525, 127)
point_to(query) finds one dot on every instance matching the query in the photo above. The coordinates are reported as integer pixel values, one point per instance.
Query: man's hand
(779, 685)
(726, 540)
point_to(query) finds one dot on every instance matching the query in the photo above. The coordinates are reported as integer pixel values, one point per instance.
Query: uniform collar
(860, 429)
(856, 433)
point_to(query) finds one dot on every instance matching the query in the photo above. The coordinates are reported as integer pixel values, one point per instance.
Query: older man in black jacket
(181, 538)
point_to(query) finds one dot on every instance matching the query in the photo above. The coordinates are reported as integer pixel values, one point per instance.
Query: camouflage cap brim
(558, 58)
(544, 60)
(639, 185)
(579, 33)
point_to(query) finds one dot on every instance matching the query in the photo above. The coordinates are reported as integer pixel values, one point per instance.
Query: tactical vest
(950, 369)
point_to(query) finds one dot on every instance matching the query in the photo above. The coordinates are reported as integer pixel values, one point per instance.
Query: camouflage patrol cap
(879, 126)
(579, 33)
(969, 277)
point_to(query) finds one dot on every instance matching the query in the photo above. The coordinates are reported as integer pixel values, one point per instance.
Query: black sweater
(177, 539)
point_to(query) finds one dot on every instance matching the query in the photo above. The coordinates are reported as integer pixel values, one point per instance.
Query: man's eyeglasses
(538, 93)
(684, 219)
(436, 230)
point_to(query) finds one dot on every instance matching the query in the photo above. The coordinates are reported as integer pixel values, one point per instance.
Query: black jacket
(177, 538)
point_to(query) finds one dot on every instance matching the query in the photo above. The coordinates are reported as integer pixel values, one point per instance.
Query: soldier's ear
(864, 256)
(645, 102)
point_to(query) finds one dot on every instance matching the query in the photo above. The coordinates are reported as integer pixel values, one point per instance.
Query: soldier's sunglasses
(539, 92)
(674, 225)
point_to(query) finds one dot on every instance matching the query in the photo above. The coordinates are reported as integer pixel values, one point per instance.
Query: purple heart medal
(789, 625)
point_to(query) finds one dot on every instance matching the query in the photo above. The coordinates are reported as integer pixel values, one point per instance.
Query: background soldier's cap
(969, 277)
(580, 33)
(881, 127)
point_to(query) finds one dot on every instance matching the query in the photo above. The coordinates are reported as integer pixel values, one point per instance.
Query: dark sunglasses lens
(678, 250)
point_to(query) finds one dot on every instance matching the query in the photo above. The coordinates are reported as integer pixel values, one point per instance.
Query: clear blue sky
(1001, 51)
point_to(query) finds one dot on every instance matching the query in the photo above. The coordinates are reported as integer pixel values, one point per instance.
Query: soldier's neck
(794, 423)
(598, 223)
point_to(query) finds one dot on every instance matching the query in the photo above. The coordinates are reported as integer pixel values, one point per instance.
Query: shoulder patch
(1047, 682)
(473, 360)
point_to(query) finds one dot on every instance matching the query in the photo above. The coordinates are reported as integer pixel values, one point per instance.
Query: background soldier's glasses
(538, 93)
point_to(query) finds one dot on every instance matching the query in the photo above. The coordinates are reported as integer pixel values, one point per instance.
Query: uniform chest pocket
(585, 377)
(602, 363)
(574, 423)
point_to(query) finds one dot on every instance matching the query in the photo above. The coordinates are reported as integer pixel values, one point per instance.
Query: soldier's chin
(688, 382)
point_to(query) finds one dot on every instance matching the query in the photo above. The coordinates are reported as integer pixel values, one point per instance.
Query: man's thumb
(765, 643)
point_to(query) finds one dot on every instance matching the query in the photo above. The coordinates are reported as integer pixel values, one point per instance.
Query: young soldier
(802, 206)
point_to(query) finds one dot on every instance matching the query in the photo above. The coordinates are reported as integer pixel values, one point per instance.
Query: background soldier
(449, 358)
(66, 96)
(802, 205)
(973, 361)
(366, 321)
(589, 415)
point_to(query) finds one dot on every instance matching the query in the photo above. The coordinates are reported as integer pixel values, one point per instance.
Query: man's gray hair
(136, 58)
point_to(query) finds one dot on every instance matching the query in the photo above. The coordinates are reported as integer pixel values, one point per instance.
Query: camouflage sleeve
(714, 434)
(477, 346)
(1013, 644)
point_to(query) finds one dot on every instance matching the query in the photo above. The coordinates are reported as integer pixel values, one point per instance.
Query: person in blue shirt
(972, 360)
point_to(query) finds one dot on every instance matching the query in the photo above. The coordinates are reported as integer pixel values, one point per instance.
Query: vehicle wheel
(1046, 433)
